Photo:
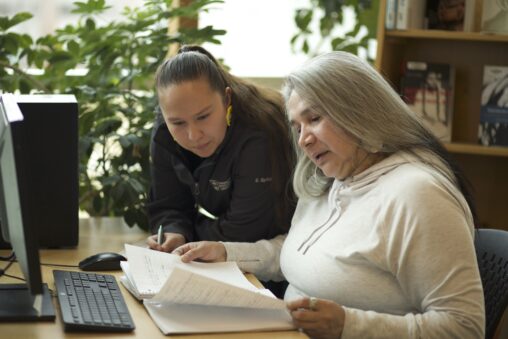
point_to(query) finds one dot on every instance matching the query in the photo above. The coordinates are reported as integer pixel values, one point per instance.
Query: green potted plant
(115, 93)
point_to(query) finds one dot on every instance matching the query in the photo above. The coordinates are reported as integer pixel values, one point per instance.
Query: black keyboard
(91, 302)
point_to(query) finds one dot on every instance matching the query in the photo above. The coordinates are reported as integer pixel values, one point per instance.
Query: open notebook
(199, 297)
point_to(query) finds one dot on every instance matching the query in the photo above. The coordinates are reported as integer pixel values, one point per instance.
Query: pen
(160, 236)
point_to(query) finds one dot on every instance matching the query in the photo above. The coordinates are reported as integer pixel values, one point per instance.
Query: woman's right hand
(171, 241)
(208, 251)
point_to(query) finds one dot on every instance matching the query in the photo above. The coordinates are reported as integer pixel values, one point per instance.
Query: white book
(402, 14)
(391, 14)
(410, 14)
(469, 15)
(200, 297)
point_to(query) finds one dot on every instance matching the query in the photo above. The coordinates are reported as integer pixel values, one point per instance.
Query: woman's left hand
(318, 318)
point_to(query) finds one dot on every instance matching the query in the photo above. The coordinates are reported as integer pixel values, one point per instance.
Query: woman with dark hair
(221, 156)
(381, 241)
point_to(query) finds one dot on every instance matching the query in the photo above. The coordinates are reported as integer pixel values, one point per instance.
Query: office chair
(492, 255)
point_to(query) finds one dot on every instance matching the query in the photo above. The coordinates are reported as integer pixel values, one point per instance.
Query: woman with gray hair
(381, 243)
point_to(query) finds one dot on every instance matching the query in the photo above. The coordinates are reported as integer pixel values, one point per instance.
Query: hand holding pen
(160, 236)
(165, 241)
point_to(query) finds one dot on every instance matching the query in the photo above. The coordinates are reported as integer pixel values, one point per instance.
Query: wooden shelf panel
(485, 167)
(474, 149)
(447, 35)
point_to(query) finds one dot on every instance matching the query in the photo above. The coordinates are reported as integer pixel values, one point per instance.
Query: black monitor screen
(15, 299)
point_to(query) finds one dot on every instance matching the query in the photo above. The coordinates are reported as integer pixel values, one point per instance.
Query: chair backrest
(492, 254)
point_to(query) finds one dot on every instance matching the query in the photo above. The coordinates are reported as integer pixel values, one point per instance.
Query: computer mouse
(106, 261)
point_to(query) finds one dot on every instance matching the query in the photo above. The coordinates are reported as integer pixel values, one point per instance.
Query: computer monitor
(48, 138)
(29, 301)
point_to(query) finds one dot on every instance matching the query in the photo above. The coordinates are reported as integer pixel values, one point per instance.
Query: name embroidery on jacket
(220, 185)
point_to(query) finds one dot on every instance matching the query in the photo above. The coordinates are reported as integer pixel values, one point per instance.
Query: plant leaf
(6, 22)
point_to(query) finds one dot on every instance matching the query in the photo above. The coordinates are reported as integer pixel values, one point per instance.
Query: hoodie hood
(342, 191)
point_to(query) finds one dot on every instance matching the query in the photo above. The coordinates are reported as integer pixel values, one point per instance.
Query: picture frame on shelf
(450, 15)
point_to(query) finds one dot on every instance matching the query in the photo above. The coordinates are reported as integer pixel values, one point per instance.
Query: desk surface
(101, 235)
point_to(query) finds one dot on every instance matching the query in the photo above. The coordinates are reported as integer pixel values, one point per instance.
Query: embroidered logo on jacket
(263, 180)
(220, 185)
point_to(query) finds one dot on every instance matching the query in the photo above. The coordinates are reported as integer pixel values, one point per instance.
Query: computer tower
(46, 152)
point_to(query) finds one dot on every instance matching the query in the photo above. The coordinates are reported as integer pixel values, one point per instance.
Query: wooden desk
(102, 235)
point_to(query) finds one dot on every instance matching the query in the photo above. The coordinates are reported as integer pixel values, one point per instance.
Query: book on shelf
(493, 128)
(450, 15)
(428, 89)
(391, 14)
(200, 297)
(495, 17)
(410, 14)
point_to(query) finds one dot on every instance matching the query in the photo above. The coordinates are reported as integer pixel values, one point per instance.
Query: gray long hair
(354, 96)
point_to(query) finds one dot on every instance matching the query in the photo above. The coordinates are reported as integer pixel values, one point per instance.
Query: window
(257, 42)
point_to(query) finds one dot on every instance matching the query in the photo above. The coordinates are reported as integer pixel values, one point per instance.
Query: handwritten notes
(200, 297)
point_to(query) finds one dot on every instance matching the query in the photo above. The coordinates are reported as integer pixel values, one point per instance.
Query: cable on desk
(12, 261)
(12, 258)
(3, 270)
(59, 265)
(13, 277)
(2, 273)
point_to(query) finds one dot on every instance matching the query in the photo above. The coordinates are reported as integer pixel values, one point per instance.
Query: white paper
(151, 268)
(174, 318)
(200, 297)
(187, 287)
(148, 270)
(128, 285)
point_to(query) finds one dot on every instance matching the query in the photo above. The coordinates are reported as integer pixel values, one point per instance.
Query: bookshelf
(447, 35)
(485, 167)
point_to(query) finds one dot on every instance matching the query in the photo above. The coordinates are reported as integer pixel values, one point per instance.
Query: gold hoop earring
(228, 115)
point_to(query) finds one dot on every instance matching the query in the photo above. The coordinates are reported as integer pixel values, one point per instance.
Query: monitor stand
(17, 304)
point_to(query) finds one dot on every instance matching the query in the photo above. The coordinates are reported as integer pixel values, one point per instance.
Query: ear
(229, 92)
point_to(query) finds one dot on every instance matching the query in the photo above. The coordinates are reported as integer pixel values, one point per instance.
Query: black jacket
(234, 184)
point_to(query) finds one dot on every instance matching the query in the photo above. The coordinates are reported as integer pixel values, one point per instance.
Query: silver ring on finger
(312, 303)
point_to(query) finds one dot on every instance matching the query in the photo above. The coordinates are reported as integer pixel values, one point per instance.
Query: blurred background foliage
(110, 68)
(334, 35)
(116, 63)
